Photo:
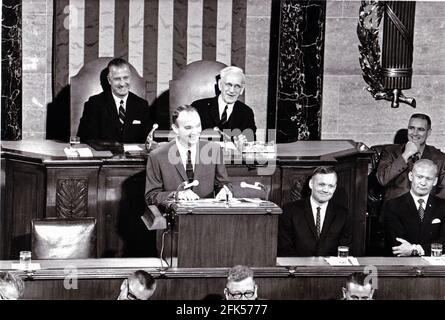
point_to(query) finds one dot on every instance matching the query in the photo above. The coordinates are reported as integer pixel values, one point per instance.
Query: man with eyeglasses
(417, 218)
(358, 287)
(240, 284)
(225, 111)
(139, 286)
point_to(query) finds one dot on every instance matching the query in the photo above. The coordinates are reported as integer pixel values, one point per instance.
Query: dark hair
(358, 278)
(117, 62)
(145, 279)
(323, 170)
(422, 116)
(182, 108)
(239, 273)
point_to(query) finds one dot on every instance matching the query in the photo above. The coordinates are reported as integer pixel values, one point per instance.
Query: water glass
(343, 251)
(436, 249)
(74, 141)
(25, 259)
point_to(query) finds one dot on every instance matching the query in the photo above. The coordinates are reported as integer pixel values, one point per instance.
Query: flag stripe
(224, 32)
(209, 29)
(151, 48)
(76, 38)
(121, 17)
(61, 43)
(179, 35)
(91, 50)
(106, 28)
(194, 31)
(165, 45)
(136, 35)
(239, 33)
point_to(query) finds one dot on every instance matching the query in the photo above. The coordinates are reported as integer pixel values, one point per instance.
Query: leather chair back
(91, 80)
(196, 80)
(55, 238)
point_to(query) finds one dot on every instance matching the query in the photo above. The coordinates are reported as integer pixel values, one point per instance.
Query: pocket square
(437, 220)
(136, 122)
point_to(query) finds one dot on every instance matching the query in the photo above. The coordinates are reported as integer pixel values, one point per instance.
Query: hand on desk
(224, 194)
(403, 250)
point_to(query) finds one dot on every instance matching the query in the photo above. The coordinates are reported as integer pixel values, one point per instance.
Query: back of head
(145, 279)
(239, 273)
(11, 286)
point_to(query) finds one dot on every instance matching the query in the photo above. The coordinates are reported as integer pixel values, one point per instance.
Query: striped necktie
(121, 112)
(318, 222)
(421, 210)
(224, 116)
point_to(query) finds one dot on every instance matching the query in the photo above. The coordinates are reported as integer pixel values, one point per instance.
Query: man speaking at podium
(186, 161)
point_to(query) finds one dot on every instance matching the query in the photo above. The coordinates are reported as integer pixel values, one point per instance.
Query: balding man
(417, 218)
(139, 286)
(225, 111)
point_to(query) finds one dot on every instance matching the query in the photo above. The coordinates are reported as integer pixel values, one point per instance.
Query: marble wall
(11, 66)
(349, 111)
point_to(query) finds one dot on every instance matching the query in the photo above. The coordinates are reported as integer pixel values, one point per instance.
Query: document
(435, 261)
(336, 261)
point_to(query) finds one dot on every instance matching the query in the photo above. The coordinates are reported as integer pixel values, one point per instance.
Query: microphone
(256, 186)
(223, 134)
(149, 140)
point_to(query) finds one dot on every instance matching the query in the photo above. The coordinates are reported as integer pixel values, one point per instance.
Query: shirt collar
(416, 199)
(117, 100)
(222, 105)
(315, 204)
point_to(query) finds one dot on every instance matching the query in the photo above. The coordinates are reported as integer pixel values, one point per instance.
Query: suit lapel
(214, 111)
(130, 111)
(328, 219)
(179, 165)
(234, 116)
(309, 217)
(427, 218)
(112, 110)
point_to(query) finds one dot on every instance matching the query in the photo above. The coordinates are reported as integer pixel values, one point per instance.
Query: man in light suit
(225, 111)
(417, 218)
(116, 115)
(184, 160)
(315, 226)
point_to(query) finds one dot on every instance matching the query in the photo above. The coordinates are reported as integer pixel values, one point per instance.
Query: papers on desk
(131, 148)
(234, 202)
(31, 266)
(435, 261)
(227, 145)
(336, 261)
(78, 152)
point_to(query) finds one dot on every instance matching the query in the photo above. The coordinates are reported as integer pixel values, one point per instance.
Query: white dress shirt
(117, 102)
(323, 208)
(222, 105)
(183, 153)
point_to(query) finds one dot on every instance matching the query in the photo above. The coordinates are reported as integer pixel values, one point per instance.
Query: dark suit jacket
(392, 172)
(165, 172)
(297, 231)
(241, 118)
(100, 120)
(402, 221)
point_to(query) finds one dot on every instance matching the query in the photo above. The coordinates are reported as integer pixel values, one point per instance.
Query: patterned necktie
(318, 222)
(421, 210)
(189, 166)
(121, 112)
(415, 157)
(224, 116)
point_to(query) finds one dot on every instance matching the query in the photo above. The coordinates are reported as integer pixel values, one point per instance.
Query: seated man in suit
(397, 160)
(240, 284)
(116, 115)
(314, 226)
(358, 287)
(180, 162)
(417, 218)
(224, 111)
(139, 286)
(11, 286)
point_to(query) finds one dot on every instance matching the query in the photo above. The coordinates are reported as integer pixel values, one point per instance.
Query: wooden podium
(214, 233)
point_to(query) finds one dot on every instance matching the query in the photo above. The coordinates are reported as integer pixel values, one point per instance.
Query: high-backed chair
(92, 79)
(196, 80)
(55, 238)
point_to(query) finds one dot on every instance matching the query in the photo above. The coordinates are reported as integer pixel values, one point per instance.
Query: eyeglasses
(130, 295)
(230, 85)
(239, 295)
